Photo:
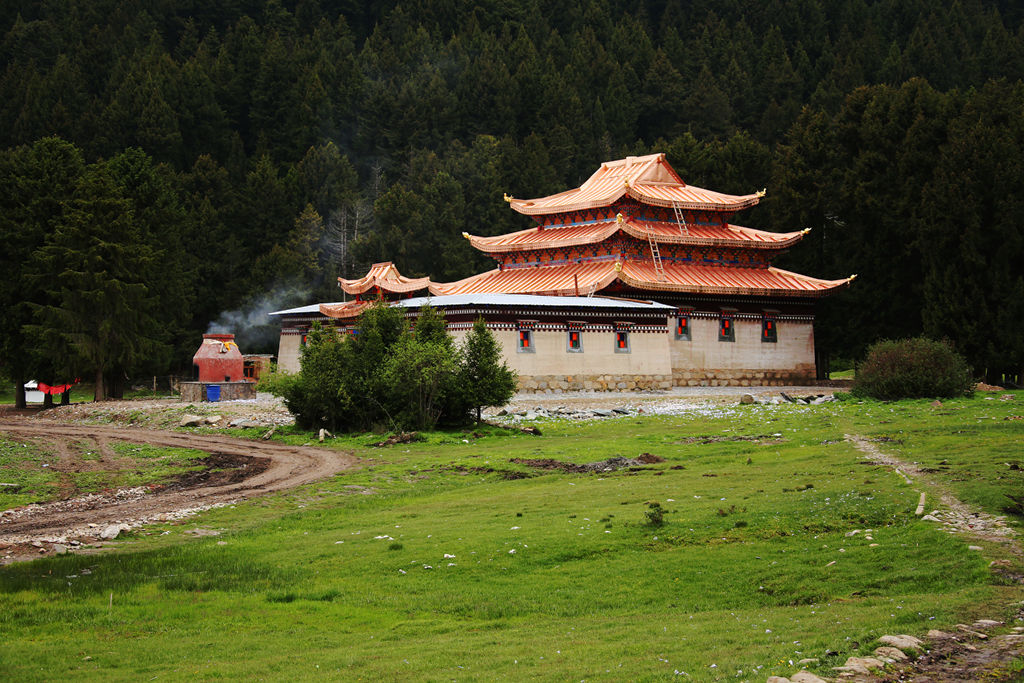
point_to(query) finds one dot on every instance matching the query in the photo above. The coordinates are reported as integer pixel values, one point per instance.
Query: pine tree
(485, 377)
(101, 316)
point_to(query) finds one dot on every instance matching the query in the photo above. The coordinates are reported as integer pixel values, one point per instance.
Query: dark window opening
(575, 341)
(526, 341)
(726, 330)
(769, 331)
(683, 327)
(622, 341)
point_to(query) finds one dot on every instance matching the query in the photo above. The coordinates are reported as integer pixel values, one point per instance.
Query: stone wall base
(557, 384)
(743, 378)
(194, 392)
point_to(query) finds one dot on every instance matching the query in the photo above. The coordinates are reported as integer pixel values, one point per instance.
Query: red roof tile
(386, 276)
(665, 232)
(648, 179)
(592, 277)
(554, 280)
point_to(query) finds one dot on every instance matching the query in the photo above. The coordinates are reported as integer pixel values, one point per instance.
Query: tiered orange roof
(587, 278)
(648, 179)
(385, 276)
(660, 231)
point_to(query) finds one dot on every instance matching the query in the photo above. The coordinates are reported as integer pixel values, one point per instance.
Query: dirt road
(243, 469)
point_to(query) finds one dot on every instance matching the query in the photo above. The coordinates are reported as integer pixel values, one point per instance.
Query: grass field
(443, 560)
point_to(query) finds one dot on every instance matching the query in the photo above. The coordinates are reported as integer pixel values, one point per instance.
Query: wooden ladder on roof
(684, 229)
(656, 256)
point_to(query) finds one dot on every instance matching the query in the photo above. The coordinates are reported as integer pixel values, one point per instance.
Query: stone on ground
(860, 665)
(805, 677)
(903, 642)
(889, 652)
(747, 399)
(113, 531)
(192, 420)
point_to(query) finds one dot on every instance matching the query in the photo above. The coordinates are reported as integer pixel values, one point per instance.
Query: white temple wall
(747, 361)
(288, 351)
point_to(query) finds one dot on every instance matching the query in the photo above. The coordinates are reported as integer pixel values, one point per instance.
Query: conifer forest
(166, 163)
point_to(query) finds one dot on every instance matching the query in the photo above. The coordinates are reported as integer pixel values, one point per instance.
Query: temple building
(634, 230)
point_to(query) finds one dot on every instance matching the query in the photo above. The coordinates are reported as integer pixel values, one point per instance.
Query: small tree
(485, 378)
(317, 395)
(419, 376)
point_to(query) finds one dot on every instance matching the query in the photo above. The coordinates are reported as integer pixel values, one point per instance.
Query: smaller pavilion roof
(386, 276)
(660, 231)
(648, 179)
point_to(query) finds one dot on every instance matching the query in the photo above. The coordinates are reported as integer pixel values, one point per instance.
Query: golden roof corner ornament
(762, 192)
(466, 235)
(618, 218)
(805, 231)
(508, 197)
(618, 266)
(853, 277)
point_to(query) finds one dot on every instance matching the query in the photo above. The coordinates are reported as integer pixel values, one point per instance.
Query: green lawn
(434, 561)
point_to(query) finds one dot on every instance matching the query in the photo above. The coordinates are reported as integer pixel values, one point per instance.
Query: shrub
(655, 515)
(274, 382)
(912, 368)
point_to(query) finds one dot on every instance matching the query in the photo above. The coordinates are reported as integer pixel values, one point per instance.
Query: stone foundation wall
(557, 384)
(195, 392)
(743, 378)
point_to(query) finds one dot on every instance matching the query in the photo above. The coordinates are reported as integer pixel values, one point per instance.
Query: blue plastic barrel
(213, 392)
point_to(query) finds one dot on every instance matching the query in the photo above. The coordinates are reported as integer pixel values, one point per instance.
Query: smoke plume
(254, 329)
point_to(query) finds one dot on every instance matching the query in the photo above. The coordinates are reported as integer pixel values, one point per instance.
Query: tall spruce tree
(485, 377)
(100, 315)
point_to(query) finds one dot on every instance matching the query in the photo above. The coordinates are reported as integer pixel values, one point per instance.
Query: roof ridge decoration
(648, 179)
(385, 276)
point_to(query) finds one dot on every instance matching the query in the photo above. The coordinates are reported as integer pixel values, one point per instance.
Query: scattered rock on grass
(903, 642)
(891, 653)
(805, 677)
(113, 531)
(860, 665)
(192, 420)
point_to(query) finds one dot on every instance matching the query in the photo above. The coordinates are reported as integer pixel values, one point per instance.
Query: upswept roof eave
(747, 238)
(529, 207)
(729, 281)
(739, 202)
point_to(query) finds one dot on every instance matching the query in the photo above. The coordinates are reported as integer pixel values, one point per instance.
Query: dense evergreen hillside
(256, 150)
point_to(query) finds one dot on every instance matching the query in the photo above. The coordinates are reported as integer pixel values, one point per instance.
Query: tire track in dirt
(273, 467)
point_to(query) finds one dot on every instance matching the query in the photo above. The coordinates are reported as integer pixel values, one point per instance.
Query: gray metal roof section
(536, 300)
(595, 302)
(312, 308)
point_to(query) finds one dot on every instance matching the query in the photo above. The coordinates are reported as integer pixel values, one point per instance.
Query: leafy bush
(390, 376)
(655, 515)
(912, 368)
(274, 382)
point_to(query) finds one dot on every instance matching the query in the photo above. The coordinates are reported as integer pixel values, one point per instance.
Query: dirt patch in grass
(609, 465)
(764, 439)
